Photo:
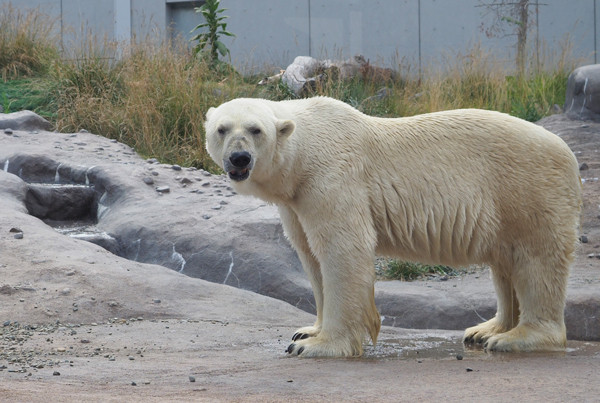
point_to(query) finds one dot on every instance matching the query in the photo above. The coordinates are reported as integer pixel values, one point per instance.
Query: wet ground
(195, 360)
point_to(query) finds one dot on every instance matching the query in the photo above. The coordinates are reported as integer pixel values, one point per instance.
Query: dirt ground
(80, 324)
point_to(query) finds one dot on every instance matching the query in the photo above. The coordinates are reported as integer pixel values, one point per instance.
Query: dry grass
(27, 43)
(154, 96)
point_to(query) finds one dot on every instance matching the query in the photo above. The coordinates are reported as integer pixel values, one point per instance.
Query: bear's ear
(285, 127)
(209, 112)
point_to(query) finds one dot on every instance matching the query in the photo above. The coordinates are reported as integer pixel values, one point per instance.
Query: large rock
(582, 99)
(24, 120)
(306, 73)
(202, 229)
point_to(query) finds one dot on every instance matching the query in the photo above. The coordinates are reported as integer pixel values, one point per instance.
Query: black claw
(304, 336)
(300, 350)
(296, 336)
(291, 348)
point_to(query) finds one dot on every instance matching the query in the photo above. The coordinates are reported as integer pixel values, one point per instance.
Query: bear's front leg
(297, 237)
(348, 277)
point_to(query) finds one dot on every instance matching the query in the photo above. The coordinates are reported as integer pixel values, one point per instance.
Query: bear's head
(242, 137)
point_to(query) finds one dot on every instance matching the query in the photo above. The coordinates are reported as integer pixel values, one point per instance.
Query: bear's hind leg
(540, 285)
(507, 315)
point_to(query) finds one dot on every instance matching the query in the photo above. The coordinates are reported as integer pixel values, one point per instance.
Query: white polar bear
(455, 188)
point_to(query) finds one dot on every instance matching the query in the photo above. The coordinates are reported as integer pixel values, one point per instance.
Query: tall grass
(154, 96)
(27, 43)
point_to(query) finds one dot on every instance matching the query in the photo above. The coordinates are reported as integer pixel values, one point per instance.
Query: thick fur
(455, 188)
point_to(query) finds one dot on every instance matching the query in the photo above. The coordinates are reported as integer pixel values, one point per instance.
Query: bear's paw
(306, 332)
(528, 337)
(481, 333)
(320, 347)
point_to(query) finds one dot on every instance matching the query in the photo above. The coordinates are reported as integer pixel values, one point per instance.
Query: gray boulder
(582, 100)
(24, 120)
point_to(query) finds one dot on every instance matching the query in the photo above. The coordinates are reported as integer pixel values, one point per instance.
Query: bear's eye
(254, 130)
(221, 130)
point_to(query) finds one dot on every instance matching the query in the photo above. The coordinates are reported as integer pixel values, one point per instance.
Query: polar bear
(455, 188)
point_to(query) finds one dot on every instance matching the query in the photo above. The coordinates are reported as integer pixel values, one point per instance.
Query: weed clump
(27, 43)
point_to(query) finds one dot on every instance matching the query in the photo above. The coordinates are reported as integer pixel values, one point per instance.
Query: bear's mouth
(239, 175)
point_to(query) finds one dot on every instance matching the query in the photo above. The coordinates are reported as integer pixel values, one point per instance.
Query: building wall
(270, 33)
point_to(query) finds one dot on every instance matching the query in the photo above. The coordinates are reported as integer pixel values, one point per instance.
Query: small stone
(459, 357)
(61, 349)
(584, 167)
(131, 358)
(133, 383)
(469, 369)
(113, 140)
(56, 373)
(213, 207)
(148, 180)
(185, 181)
(6, 323)
(206, 216)
(176, 167)
(163, 189)
(156, 301)
(83, 131)
(192, 378)
(591, 256)
(152, 161)
(18, 235)
(154, 173)
(65, 291)
(8, 131)
(205, 184)
(583, 239)
(85, 341)
(15, 229)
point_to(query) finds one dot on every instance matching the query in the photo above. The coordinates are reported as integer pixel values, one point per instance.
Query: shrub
(27, 43)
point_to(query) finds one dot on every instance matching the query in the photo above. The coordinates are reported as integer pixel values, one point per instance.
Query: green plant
(215, 22)
(407, 271)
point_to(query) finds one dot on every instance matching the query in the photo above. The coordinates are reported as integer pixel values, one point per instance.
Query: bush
(27, 43)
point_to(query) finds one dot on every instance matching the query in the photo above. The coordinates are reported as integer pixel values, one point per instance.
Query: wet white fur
(455, 188)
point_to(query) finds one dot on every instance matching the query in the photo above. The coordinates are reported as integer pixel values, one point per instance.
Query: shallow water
(450, 347)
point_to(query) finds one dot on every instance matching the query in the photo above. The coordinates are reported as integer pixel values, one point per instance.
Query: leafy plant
(217, 27)
(406, 271)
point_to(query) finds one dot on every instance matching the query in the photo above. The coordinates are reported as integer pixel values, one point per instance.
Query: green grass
(408, 271)
(27, 94)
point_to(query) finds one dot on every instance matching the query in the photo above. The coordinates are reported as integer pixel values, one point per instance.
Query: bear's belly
(444, 233)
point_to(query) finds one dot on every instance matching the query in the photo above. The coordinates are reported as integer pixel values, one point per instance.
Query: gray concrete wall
(270, 33)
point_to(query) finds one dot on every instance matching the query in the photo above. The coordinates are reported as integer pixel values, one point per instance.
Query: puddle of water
(60, 185)
(441, 348)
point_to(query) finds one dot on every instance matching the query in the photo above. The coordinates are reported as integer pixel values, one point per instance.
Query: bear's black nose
(240, 159)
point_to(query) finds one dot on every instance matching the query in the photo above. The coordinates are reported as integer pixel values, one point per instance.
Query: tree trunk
(523, 12)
